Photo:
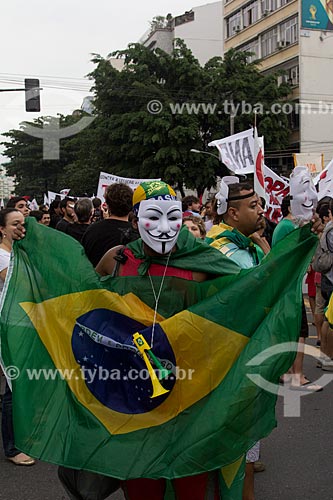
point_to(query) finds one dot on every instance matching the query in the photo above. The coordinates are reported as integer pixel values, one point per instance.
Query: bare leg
(319, 320)
(297, 368)
(324, 337)
(312, 302)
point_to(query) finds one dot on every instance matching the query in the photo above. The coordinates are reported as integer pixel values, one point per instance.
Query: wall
(161, 39)
(316, 91)
(204, 35)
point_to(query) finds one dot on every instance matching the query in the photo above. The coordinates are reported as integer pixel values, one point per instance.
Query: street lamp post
(204, 153)
(222, 169)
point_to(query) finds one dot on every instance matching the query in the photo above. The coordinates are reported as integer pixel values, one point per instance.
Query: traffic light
(32, 97)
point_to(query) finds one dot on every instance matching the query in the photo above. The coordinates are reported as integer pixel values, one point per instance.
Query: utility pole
(232, 117)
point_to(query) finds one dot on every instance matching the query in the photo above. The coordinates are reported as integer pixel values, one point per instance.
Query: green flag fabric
(97, 386)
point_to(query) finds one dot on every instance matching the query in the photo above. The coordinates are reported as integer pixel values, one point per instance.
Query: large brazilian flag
(98, 387)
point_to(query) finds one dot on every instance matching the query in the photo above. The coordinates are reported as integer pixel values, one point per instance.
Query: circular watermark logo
(12, 372)
(154, 107)
(291, 394)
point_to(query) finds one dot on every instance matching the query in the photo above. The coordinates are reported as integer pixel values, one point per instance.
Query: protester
(239, 217)
(42, 217)
(240, 214)
(159, 223)
(84, 210)
(55, 212)
(46, 218)
(20, 204)
(107, 233)
(98, 212)
(324, 288)
(195, 225)
(9, 219)
(160, 251)
(67, 210)
(37, 214)
(191, 205)
(208, 215)
(297, 377)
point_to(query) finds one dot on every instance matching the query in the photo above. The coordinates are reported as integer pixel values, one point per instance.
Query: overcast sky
(53, 40)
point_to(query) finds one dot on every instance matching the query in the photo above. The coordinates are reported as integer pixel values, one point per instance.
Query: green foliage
(35, 175)
(131, 139)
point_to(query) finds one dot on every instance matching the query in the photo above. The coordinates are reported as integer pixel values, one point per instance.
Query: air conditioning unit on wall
(281, 44)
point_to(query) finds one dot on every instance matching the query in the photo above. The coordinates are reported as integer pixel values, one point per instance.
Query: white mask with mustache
(159, 223)
(303, 194)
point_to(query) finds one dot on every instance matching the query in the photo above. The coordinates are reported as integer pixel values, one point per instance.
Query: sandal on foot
(307, 387)
(21, 459)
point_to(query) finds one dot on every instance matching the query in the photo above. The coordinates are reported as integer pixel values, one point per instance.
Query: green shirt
(282, 229)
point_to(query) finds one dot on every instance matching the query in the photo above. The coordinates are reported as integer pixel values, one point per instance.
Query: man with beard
(241, 214)
(67, 211)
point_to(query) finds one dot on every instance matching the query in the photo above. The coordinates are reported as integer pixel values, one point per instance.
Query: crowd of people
(233, 224)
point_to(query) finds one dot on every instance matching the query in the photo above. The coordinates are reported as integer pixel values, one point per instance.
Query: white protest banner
(314, 162)
(51, 196)
(325, 182)
(65, 191)
(259, 178)
(237, 151)
(106, 179)
(276, 189)
(33, 205)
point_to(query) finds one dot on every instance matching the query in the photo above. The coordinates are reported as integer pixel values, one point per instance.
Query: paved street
(298, 456)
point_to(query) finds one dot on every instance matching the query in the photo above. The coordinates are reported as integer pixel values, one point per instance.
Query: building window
(268, 6)
(250, 13)
(252, 46)
(289, 31)
(294, 75)
(284, 2)
(293, 117)
(291, 76)
(234, 24)
(269, 42)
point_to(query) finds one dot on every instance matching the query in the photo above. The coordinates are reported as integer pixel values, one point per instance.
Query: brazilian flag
(98, 386)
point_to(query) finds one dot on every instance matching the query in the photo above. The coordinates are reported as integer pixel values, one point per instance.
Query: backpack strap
(120, 258)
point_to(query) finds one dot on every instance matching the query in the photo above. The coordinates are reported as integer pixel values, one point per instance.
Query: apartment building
(296, 37)
(7, 184)
(201, 28)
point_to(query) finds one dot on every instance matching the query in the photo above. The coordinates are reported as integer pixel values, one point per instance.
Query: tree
(151, 114)
(158, 143)
(34, 174)
(160, 22)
